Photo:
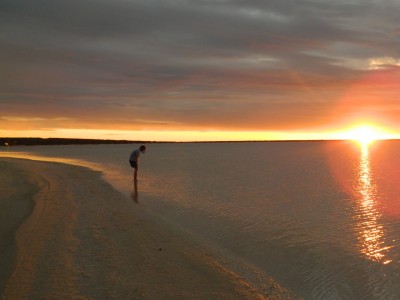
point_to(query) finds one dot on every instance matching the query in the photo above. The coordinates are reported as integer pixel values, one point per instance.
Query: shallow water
(321, 218)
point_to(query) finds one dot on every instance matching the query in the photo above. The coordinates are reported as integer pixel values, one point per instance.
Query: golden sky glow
(198, 70)
(360, 134)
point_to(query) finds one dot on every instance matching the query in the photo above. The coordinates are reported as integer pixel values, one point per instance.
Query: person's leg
(135, 173)
(134, 165)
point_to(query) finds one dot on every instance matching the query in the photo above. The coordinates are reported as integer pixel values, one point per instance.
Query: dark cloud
(196, 64)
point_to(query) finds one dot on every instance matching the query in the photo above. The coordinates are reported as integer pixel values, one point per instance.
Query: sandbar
(71, 235)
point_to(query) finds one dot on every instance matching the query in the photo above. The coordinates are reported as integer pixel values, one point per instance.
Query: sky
(198, 70)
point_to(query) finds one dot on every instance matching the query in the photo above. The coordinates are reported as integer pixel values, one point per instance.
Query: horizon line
(116, 141)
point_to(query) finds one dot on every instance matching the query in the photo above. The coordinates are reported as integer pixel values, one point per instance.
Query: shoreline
(85, 239)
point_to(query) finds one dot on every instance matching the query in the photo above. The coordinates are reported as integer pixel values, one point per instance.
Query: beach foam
(85, 239)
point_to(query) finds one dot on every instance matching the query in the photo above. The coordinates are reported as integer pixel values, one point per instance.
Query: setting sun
(365, 134)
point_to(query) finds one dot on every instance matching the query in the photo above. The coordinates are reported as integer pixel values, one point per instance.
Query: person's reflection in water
(135, 194)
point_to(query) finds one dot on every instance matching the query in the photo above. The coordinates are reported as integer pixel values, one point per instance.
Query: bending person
(134, 159)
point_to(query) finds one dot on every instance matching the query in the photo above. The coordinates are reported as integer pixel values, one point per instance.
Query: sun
(365, 134)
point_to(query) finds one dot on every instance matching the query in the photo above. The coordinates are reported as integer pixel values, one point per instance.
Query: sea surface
(320, 218)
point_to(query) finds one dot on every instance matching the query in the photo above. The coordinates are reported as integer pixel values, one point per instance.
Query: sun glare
(365, 135)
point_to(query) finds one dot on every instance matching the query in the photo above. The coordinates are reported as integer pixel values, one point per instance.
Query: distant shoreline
(11, 141)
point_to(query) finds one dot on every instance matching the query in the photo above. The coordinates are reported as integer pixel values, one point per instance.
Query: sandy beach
(69, 235)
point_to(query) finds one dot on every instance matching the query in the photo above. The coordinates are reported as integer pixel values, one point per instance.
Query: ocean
(321, 218)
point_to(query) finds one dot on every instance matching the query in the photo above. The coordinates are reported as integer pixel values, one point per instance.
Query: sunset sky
(198, 70)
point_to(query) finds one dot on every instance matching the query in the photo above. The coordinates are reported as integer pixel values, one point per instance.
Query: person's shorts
(133, 163)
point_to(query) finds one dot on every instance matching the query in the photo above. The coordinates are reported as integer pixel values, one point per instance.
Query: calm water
(321, 218)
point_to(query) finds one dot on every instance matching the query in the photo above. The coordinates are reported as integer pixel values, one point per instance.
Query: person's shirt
(134, 155)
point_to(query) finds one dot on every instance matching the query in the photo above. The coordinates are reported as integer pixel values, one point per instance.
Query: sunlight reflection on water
(370, 231)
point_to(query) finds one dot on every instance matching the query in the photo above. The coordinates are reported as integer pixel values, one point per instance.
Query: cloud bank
(198, 65)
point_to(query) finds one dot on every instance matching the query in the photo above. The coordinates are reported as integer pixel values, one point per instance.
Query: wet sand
(16, 204)
(73, 236)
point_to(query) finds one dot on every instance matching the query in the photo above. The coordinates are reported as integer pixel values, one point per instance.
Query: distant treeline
(9, 141)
